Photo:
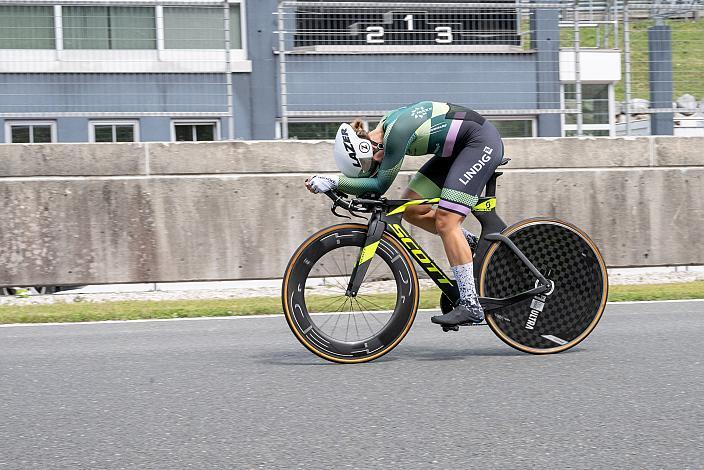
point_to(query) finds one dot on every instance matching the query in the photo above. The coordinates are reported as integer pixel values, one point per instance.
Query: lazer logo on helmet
(486, 158)
(350, 148)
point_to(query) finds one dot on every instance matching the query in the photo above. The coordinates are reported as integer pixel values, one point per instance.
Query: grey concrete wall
(104, 213)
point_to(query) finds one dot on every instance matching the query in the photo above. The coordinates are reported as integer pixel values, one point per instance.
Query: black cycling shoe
(460, 315)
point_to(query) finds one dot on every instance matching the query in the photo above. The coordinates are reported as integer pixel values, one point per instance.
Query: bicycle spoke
(334, 301)
(320, 266)
(374, 304)
(347, 274)
(348, 320)
(374, 313)
(334, 258)
(372, 271)
(365, 317)
(354, 320)
(334, 278)
(332, 315)
(337, 320)
(370, 307)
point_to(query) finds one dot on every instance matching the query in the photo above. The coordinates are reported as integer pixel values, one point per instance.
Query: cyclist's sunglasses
(377, 145)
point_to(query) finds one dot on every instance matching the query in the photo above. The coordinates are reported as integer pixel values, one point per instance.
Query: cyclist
(466, 150)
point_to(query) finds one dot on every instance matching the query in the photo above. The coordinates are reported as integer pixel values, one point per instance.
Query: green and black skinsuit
(466, 150)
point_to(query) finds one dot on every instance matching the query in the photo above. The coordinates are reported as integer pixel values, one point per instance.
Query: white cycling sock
(464, 276)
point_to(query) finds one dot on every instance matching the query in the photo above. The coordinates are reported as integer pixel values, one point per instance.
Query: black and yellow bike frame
(387, 218)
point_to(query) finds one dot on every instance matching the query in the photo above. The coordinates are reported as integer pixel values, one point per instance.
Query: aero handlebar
(339, 199)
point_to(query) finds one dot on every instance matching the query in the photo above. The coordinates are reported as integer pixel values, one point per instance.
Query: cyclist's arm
(396, 142)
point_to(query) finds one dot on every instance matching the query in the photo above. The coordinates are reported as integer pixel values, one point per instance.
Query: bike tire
(310, 332)
(565, 255)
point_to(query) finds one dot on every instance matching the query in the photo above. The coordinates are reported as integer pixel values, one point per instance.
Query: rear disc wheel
(564, 316)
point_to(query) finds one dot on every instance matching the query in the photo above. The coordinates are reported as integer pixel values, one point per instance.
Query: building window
(195, 131)
(30, 132)
(114, 131)
(595, 103)
(102, 27)
(235, 27)
(201, 28)
(327, 130)
(595, 109)
(323, 130)
(592, 132)
(514, 127)
(25, 27)
(312, 130)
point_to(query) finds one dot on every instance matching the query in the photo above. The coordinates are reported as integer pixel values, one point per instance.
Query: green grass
(134, 310)
(640, 292)
(687, 56)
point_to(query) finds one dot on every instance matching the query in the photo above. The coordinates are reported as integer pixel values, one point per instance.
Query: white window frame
(159, 15)
(195, 122)
(532, 119)
(610, 126)
(157, 60)
(10, 123)
(92, 124)
(243, 24)
(366, 119)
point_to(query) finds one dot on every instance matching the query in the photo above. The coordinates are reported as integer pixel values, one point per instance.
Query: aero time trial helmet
(353, 154)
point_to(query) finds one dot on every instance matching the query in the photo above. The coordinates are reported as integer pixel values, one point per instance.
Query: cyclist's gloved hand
(322, 183)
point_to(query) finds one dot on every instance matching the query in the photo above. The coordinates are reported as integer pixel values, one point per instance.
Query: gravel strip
(616, 277)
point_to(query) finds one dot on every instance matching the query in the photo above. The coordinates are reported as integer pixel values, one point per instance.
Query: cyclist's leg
(426, 184)
(471, 170)
(467, 177)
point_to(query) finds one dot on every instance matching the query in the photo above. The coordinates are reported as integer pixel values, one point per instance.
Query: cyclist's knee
(446, 221)
(414, 212)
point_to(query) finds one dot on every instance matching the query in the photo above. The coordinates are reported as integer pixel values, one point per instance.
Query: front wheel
(564, 316)
(338, 327)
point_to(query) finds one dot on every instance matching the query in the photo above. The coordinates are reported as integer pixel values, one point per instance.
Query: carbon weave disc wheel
(569, 312)
(341, 328)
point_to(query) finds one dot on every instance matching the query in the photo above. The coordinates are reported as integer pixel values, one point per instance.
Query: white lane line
(146, 320)
(632, 302)
(272, 315)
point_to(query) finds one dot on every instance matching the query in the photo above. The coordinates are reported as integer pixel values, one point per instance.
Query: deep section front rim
(309, 327)
(565, 255)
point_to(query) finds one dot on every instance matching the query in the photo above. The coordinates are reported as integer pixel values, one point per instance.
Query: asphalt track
(243, 393)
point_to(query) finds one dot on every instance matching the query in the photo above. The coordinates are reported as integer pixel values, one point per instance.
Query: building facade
(191, 70)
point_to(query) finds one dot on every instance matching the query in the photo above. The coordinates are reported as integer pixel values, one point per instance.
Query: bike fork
(375, 231)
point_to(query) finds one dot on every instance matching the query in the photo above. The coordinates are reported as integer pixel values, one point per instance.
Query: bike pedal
(469, 323)
(446, 328)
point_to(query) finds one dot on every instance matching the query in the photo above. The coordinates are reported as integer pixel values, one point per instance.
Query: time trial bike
(542, 282)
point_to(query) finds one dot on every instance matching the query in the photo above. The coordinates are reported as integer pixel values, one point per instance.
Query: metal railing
(553, 68)
(338, 60)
